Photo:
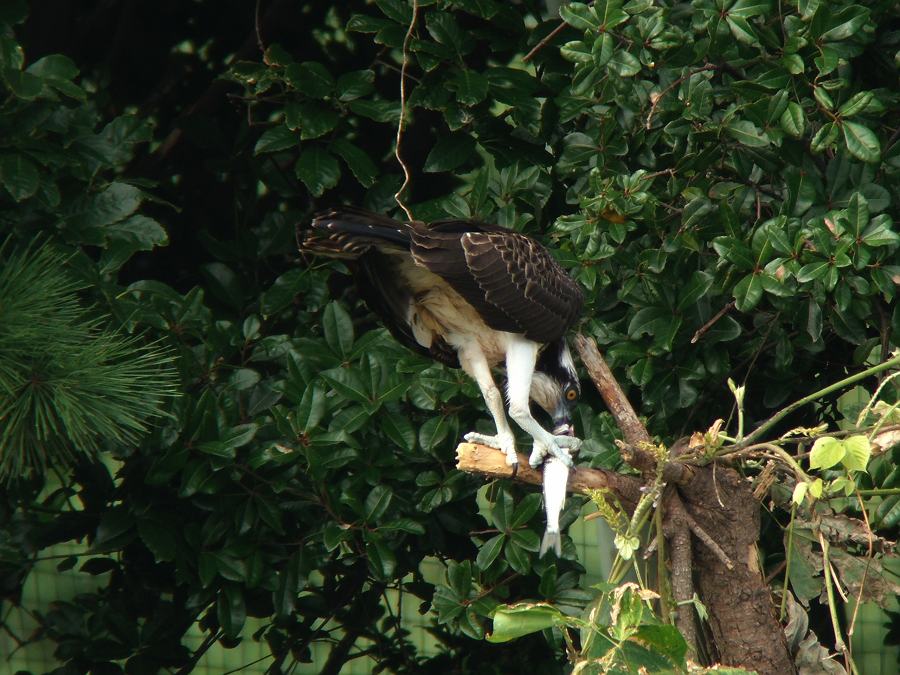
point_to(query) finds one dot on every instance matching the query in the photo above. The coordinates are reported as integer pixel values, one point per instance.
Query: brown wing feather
(510, 279)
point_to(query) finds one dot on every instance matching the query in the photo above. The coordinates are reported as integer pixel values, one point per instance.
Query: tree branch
(474, 458)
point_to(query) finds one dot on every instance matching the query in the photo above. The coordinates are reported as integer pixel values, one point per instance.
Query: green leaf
(338, 329)
(459, 578)
(433, 433)
(579, 15)
(856, 104)
(858, 453)
(275, 139)
(143, 233)
(748, 8)
(54, 67)
(879, 232)
(746, 133)
(283, 291)
(313, 119)
(861, 141)
(318, 169)
(524, 510)
(742, 30)
(665, 640)
(514, 621)
(347, 383)
(824, 137)
(623, 63)
(380, 111)
(826, 452)
(310, 77)
(356, 160)
(403, 525)
(814, 270)
(489, 551)
(748, 292)
(845, 23)
(444, 29)
(355, 84)
(19, 175)
(22, 84)
(577, 52)
(695, 288)
(450, 152)
(377, 502)
(290, 583)
(231, 610)
(471, 87)
(793, 120)
(311, 409)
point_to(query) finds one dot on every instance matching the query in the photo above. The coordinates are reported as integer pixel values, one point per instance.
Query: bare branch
(474, 458)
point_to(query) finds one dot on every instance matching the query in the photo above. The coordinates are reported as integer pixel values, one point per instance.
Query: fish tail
(551, 540)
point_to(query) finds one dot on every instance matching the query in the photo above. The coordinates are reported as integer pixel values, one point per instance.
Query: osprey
(475, 296)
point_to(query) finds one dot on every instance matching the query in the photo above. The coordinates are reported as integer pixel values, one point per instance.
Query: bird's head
(555, 386)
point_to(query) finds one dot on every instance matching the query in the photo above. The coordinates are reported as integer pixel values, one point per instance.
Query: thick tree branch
(474, 458)
(633, 429)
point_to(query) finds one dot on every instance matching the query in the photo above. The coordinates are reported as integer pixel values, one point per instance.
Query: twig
(784, 412)
(703, 536)
(709, 324)
(257, 25)
(402, 120)
(869, 555)
(543, 43)
(659, 97)
(839, 644)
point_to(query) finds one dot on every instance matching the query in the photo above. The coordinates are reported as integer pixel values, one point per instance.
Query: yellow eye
(571, 395)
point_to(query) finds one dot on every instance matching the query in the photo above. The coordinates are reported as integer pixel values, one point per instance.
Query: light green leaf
(826, 452)
(357, 160)
(858, 453)
(578, 15)
(799, 492)
(514, 621)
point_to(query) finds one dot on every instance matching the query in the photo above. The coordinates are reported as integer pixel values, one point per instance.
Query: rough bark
(713, 503)
(742, 615)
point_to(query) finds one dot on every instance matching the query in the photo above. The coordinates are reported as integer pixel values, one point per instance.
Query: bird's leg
(475, 364)
(521, 356)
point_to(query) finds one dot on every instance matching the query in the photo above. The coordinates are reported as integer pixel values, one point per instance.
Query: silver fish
(556, 478)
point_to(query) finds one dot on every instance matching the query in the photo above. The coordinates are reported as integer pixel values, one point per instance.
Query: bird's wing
(510, 279)
(375, 248)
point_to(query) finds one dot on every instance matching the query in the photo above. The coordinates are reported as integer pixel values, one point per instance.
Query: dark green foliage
(68, 386)
(678, 157)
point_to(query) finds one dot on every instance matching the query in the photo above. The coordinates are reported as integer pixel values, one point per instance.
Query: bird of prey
(472, 295)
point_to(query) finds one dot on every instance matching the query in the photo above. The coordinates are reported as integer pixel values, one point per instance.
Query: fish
(556, 479)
